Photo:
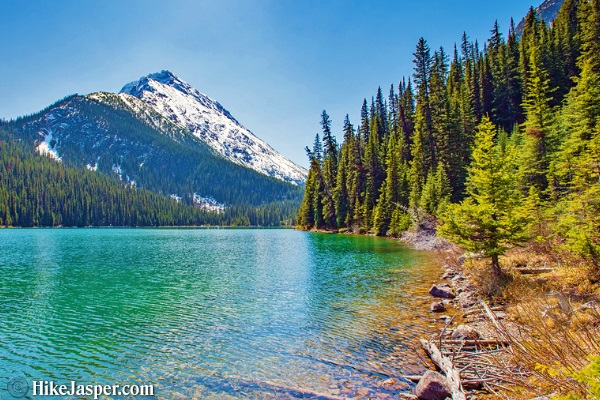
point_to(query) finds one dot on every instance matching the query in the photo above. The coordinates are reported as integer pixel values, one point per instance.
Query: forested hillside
(35, 190)
(101, 132)
(496, 140)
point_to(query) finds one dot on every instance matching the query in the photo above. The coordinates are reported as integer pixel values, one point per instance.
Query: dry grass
(488, 284)
(558, 338)
(558, 315)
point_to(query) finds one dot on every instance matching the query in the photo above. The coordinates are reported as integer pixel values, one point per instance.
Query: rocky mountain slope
(546, 11)
(209, 121)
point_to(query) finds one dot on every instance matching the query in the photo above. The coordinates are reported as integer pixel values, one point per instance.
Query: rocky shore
(461, 350)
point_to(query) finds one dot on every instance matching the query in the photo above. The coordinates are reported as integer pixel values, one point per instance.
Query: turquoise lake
(212, 313)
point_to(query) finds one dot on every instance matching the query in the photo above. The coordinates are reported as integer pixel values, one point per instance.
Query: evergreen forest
(495, 143)
(37, 191)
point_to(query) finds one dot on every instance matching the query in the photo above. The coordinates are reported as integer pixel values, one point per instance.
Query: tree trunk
(496, 266)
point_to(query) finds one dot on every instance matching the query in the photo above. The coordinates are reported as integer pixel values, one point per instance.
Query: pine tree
(490, 219)
(577, 163)
(406, 111)
(538, 125)
(310, 214)
(423, 118)
(341, 194)
(329, 168)
(393, 194)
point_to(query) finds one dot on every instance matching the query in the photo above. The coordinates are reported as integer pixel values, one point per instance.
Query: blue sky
(275, 65)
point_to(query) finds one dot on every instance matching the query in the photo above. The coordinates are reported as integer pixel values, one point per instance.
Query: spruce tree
(538, 124)
(341, 194)
(577, 165)
(490, 219)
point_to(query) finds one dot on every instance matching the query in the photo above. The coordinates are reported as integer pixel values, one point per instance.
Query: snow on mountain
(47, 146)
(208, 120)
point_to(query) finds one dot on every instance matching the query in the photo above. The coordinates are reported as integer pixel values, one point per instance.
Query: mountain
(547, 11)
(134, 141)
(209, 121)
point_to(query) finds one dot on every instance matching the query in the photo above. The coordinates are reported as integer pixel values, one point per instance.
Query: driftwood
(445, 364)
(476, 364)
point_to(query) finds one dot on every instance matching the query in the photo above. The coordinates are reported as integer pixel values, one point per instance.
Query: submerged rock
(437, 306)
(442, 290)
(392, 384)
(432, 386)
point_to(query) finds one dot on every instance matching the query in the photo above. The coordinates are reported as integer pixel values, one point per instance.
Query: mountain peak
(209, 121)
(164, 77)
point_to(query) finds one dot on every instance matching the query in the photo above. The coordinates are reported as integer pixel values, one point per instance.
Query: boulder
(432, 386)
(437, 306)
(465, 332)
(441, 290)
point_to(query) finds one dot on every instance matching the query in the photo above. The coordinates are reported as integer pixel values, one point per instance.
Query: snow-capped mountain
(121, 136)
(209, 121)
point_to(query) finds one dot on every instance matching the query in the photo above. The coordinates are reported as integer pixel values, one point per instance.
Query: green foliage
(491, 219)
(589, 376)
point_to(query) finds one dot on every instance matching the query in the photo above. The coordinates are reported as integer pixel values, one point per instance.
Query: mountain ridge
(123, 137)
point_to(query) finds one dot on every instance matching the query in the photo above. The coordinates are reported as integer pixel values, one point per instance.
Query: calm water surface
(202, 313)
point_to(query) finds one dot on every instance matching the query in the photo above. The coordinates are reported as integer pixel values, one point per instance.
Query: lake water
(212, 313)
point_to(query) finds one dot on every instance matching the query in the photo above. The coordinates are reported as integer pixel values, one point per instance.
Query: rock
(393, 384)
(463, 332)
(458, 277)
(500, 314)
(465, 300)
(437, 306)
(432, 386)
(449, 274)
(441, 290)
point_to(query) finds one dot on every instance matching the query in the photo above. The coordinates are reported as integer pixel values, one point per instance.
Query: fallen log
(475, 383)
(444, 363)
(534, 271)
